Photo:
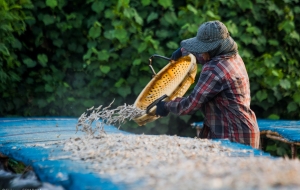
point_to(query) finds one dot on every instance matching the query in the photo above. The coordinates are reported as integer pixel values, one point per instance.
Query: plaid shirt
(222, 93)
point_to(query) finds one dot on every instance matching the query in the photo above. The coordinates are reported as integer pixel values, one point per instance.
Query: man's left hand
(176, 54)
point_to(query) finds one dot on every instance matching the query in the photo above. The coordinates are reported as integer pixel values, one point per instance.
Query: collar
(221, 57)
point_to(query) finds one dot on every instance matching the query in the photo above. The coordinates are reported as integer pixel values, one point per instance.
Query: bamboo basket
(173, 80)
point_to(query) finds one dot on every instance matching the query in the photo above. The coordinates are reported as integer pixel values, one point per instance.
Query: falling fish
(90, 108)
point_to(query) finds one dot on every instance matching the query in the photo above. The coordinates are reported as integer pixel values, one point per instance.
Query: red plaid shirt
(222, 93)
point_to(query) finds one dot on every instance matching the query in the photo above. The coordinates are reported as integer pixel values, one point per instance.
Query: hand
(161, 110)
(176, 54)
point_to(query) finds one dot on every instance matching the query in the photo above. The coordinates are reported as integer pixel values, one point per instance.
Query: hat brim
(194, 45)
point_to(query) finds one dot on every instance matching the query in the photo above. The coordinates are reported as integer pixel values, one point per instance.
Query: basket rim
(158, 75)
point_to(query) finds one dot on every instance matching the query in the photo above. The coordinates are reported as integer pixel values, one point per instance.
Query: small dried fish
(171, 162)
(106, 116)
(90, 108)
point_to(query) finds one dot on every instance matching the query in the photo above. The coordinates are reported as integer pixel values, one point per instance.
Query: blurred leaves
(165, 3)
(29, 62)
(278, 148)
(105, 69)
(43, 59)
(98, 6)
(51, 3)
(60, 57)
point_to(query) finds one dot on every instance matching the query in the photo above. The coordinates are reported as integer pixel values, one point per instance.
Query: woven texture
(173, 80)
(212, 35)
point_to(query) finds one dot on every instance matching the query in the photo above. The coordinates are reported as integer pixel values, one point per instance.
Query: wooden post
(198, 131)
(261, 143)
(294, 151)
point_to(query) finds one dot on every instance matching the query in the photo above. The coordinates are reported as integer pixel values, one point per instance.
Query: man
(222, 92)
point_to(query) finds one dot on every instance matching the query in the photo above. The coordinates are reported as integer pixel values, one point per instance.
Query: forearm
(206, 88)
(184, 105)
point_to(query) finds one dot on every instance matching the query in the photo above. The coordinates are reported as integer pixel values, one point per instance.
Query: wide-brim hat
(210, 36)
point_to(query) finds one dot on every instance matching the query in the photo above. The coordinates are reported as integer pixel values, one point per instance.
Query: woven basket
(173, 80)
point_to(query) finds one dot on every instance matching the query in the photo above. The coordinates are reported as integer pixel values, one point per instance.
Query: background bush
(60, 57)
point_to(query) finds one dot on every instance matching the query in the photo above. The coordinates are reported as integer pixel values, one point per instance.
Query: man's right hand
(161, 110)
(176, 54)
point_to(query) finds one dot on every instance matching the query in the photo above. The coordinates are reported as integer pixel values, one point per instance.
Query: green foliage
(268, 36)
(60, 57)
(278, 148)
(13, 15)
(17, 166)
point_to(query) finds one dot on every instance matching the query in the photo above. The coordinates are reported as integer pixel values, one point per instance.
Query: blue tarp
(17, 139)
(288, 129)
(19, 136)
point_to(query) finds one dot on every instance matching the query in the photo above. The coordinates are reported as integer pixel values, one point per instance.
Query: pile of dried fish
(106, 116)
(171, 162)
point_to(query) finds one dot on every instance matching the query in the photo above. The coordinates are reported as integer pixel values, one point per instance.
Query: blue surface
(288, 129)
(242, 150)
(19, 137)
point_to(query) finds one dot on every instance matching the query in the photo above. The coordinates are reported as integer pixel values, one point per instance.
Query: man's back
(228, 113)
